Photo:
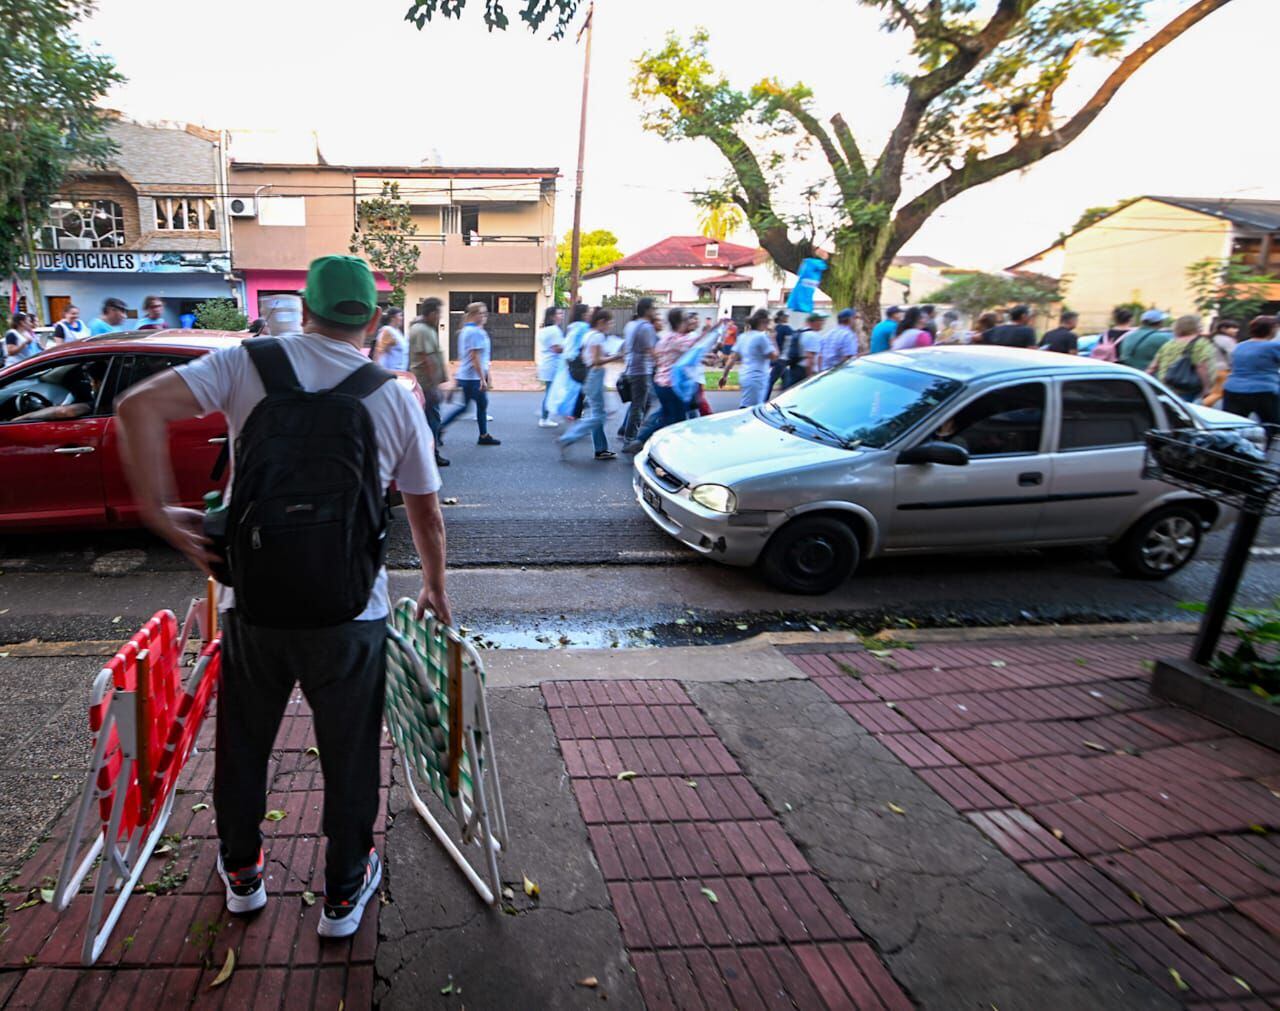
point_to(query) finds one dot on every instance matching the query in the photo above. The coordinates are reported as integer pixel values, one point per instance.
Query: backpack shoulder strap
(268, 357)
(363, 381)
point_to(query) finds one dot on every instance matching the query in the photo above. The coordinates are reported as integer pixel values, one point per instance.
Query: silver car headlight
(715, 497)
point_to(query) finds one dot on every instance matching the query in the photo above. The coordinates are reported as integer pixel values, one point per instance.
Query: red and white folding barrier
(145, 710)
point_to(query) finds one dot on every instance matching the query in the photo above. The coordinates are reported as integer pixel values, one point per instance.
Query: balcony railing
(476, 239)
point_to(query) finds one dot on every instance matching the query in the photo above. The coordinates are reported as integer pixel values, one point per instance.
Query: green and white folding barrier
(436, 712)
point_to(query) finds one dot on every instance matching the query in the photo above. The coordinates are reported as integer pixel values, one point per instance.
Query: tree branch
(852, 153)
(755, 199)
(970, 51)
(844, 177)
(1032, 148)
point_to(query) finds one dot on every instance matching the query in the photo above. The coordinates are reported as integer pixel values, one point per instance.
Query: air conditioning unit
(242, 207)
(74, 242)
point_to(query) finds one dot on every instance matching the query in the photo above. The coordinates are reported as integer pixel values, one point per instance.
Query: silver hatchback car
(937, 449)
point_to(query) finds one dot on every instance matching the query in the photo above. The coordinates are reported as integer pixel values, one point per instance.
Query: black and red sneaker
(246, 891)
(341, 917)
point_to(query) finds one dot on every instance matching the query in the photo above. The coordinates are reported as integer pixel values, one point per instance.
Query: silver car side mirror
(948, 454)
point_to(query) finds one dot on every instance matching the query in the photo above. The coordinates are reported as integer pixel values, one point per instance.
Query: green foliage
(49, 119)
(719, 221)
(384, 235)
(1254, 663)
(597, 249)
(624, 298)
(1228, 288)
(976, 293)
(1092, 215)
(535, 13)
(220, 314)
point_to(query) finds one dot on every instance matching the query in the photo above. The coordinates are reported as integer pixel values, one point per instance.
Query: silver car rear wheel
(1159, 544)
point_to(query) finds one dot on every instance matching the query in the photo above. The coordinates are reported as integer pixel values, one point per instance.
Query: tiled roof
(1264, 214)
(682, 251)
(729, 278)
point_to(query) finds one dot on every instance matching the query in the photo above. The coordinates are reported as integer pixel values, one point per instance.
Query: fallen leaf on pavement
(1175, 925)
(741, 628)
(446, 990)
(998, 663)
(1057, 834)
(116, 619)
(309, 898)
(1258, 829)
(679, 621)
(1094, 745)
(628, 774)
(26, 905)
(276, 815)
(692, 784)
(228, 967)
(1178, 981)
(46, 895)
(881, 653)
(531, 888)
(590, 982)
(160, 851)
(313, 751)
(1246, 986)
(448, 501)
(896, 809)
(197, 808)
(508, 894)
(711, 896)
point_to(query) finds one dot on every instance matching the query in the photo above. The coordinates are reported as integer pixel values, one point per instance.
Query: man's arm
(427, 525)
(142, 417)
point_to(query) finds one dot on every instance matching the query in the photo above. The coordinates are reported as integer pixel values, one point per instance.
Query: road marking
(1265, 552)
(654, 555)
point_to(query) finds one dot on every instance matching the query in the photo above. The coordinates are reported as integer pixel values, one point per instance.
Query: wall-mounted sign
(504, 305)
(97, 261)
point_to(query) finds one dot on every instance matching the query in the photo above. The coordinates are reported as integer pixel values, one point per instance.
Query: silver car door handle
(73, 450)
(217, 440)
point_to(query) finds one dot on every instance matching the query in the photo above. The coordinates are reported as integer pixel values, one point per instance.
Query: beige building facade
(1140, 253)
(483, 234)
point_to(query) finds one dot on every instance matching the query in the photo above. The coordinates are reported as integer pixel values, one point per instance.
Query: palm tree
(720, 221)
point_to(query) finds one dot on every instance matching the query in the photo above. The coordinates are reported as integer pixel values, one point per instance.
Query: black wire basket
(1237, 467)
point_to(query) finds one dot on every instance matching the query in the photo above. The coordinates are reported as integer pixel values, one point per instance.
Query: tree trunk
(37, 302)
(856, 271)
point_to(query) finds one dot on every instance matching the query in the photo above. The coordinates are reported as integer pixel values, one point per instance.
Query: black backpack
(795, 350)
(1182, 376)
(307, 531)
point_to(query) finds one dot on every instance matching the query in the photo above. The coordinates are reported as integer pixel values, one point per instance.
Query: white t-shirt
(754, 348)
(548, 359)
(594, 339)
(227, 381)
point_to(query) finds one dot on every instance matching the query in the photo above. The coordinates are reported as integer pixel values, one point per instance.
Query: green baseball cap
(341, 289)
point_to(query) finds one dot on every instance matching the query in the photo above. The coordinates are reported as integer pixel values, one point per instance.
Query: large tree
(49, 119)
(598, 247)
(979, 102)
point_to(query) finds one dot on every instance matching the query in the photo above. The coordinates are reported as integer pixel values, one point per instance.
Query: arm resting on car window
(142, 416)
(427, 525)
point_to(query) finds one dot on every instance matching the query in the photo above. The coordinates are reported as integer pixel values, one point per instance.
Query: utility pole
(575, 265)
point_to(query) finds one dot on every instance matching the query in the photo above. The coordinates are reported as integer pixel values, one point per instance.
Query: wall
(329, 218)
(88, 290)
(428, 285)
(256, 282)
(1140, 253)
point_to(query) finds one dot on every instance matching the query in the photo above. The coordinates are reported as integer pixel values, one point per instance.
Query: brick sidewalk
(718, 908)
(1149, 822)
(169, 946)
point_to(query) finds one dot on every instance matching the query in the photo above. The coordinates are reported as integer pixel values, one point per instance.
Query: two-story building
(149, 224)
(484, 234)
(1141, 250)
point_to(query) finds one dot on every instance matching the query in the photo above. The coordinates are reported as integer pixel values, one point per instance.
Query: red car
(66, 473)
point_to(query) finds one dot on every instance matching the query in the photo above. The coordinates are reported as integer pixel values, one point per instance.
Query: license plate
(651, 498)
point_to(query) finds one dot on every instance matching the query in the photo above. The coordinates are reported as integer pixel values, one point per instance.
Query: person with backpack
(639, 339)
(1138, 348)
(1188, 363)
(594, 356)
(801, 351)
(1108, 347)
(319, 433)
(474, 349)
(782, 330)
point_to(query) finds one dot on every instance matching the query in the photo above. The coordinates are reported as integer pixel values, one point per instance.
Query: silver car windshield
(862, 403)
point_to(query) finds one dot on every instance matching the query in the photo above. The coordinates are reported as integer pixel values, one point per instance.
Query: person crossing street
(474, 349)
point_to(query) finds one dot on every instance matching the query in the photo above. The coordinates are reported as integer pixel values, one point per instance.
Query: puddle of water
(690, 629)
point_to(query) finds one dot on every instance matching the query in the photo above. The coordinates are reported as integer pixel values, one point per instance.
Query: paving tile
(654, 983)
(1086, 891)
(1156, 949)
(1018, 834)
(878, 717)
(1240, 946)
(963, 789)
(1165, 887)
(738, 979)
(1264, 912)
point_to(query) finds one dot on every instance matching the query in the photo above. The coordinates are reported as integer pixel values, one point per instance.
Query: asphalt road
(533, 537)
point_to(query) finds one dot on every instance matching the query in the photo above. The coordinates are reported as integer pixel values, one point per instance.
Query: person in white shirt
(549, 349)
(71, 327)
(756, 352)
(340, 666)
(839, 344)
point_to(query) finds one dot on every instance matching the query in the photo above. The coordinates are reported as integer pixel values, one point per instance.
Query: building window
(186, 214)
(470, 215)
(85, 224)
(713, 250)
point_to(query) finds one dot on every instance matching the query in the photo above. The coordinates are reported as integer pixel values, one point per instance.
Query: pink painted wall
(257, 281)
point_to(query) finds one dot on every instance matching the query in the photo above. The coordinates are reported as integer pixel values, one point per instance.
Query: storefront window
(86, 224)
(189, 214)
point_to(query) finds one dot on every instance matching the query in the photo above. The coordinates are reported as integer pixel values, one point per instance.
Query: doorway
(511, 322)
(57, 308)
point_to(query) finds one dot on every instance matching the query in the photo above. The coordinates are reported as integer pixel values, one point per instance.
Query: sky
(1192, 122)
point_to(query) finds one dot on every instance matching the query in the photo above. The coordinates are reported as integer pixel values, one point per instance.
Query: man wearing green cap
(300, 381)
